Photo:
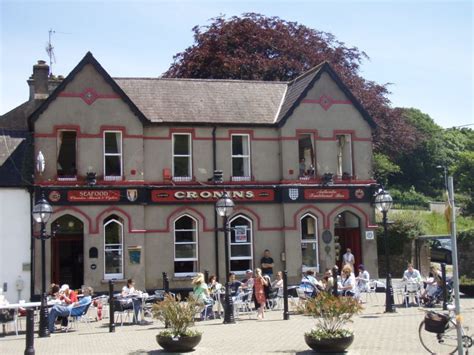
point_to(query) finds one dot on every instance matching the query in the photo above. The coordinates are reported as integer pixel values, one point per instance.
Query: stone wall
(466, 257)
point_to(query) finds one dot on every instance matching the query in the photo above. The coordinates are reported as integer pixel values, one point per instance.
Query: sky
(424, 49)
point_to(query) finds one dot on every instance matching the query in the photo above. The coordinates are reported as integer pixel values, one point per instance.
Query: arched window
(241, 250)
(113, 247)
(185, 246)
(309, 243)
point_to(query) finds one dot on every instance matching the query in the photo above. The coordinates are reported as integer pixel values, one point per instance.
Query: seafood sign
(93, 195)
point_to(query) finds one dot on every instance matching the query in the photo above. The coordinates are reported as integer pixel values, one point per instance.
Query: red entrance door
(349, 238)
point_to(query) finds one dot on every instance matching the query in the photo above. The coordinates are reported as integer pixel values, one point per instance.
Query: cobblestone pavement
(375, 333)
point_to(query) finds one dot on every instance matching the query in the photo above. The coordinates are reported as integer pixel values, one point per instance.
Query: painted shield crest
(293, 194)
(132, 194)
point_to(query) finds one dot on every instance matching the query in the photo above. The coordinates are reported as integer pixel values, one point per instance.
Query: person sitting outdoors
(363, 279)
(348, 282)
(411, 274)
(201, 294)
(434, 284)
(309, 284)
(74, 309)
(53, 292)
(213, 285)
(234, 285)
(129, 299)
(278, 282)
(328, 281)
(248, 281)
(67, 297)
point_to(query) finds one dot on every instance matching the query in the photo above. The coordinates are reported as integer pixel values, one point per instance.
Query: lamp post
(224, 208)
(41, 213)
(383, 202)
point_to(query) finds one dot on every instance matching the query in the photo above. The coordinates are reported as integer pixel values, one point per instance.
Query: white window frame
(241, 156)
(250, 228)
(113, 177)
(310, 242)
(119, 247)
(195, 259)
(189, 156)
(344, 156)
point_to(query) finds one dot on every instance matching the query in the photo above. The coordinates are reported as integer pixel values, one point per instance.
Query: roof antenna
(50, 51)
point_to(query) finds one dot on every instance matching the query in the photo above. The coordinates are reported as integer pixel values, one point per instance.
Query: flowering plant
(177, 315)
(332, 313)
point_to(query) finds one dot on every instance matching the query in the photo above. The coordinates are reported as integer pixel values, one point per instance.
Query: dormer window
(66, 162)
(112, 155)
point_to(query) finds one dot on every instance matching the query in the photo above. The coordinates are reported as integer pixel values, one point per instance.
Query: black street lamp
(42, 211)
(224, 208)
(383, 202)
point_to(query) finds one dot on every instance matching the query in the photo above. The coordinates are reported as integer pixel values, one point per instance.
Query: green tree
(256, 47)
(384, 168)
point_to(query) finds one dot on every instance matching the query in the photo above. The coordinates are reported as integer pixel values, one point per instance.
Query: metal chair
(242, 304)
(73, 320)
(412, 289)
(123, 310)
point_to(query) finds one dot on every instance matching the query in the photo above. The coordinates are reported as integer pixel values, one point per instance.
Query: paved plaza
(375, 333)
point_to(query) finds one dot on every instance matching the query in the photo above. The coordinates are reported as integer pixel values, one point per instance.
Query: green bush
(410, 199)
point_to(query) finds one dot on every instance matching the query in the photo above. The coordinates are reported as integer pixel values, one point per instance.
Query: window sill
(113, 178)
(66, 178)
(182, 178)
(106, 281)
(240, 178)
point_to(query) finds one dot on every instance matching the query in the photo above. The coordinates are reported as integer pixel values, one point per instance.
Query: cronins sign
(208, 195)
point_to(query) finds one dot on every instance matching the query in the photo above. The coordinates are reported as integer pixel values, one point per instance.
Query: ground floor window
(241, 255)
(185, 246)
(113, 248)
(309, 243)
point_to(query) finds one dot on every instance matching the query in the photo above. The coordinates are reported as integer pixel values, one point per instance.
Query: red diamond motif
(89, 95)
(325, 102)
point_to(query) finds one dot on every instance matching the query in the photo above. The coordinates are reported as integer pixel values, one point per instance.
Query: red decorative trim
(346, 206)
(88, 95)
(178, 212)
(326, 102)
(256, 217)
(307, 209)
(64, 210)
(111, 210)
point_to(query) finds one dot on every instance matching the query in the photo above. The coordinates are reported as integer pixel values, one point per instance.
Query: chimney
(38, 82)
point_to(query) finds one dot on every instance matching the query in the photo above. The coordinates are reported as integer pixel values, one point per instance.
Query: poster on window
(241, 234)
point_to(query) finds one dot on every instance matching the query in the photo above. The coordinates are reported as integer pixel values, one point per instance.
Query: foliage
(403, 228)
(467, 234)
(384, 167)
(332, 313)
(464, 280)
(409, 198)
(179, 316)
(256, 47)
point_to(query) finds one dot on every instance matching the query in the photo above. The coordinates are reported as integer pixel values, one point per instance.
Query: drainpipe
(32, 247)
(216, 232)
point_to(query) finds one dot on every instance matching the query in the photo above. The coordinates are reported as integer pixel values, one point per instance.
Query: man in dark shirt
(267, 263)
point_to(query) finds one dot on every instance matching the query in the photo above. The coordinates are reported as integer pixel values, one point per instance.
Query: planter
(178, 345)
(468, 290)
(331, 345)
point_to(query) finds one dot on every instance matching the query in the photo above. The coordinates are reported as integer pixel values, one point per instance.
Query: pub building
(132, 170)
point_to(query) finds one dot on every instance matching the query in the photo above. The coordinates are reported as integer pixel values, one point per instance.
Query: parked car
(441, 251)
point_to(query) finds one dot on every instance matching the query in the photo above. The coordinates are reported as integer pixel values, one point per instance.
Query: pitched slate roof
(15, 164)
(17, 119)
(205, 101)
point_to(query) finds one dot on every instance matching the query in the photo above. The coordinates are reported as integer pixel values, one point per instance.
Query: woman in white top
(363, 279)
(128, 293)
(348, 282)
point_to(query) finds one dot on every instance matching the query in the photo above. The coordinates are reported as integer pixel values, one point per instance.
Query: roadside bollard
(334, 277)
(206, 276)
(30, 332)
(286, 313)
(445, 288)
(111, 307)
(166, 283)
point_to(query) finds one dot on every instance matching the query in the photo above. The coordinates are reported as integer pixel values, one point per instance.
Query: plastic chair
(412, 289)
(123, 310)
(242, 304)
(14, 321)
(73, 320)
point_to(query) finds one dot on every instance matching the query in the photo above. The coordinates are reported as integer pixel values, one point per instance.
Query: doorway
(68, 252)
(347, 235)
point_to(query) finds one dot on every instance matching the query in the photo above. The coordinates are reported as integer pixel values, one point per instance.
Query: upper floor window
(112, 155)
(182, 157)
(307, 158)
(240, 157)
(66, 162)
(241, 250)
(185, 246)
(113, 248)
(344, 155)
